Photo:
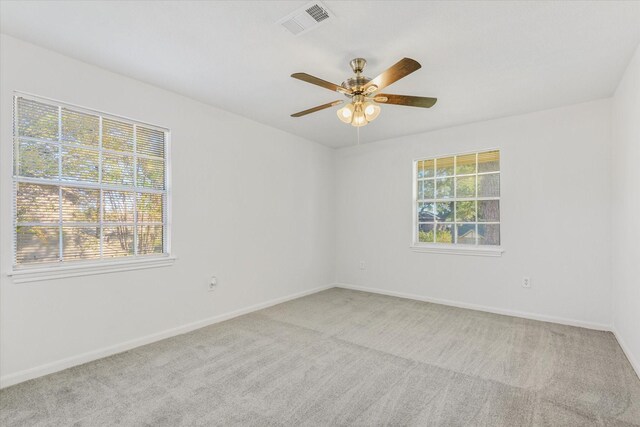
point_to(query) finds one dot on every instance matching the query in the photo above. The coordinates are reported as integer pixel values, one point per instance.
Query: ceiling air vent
(317, 13)
(305, 18)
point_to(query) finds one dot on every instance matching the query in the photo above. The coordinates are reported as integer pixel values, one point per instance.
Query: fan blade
(400, 69)
(319, 82)
(410, 101)
(318, 108)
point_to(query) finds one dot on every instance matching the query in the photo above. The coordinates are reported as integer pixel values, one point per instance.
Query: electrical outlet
(213, 283)
(526, 282)
(363, 265)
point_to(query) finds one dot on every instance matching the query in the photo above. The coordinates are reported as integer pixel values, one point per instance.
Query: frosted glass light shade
(371, 111)
(359, 119)
(345, 114)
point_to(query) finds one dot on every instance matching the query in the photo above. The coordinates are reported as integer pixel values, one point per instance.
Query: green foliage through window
(87, 186)
(458, 199)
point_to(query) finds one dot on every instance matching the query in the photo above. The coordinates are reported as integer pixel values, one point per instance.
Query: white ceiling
(480, 59)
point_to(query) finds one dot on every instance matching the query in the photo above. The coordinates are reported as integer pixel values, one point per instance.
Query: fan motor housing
(356, 83)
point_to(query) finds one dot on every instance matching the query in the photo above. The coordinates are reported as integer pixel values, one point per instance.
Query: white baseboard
(59, 365)
(635, 364)
(495, 310)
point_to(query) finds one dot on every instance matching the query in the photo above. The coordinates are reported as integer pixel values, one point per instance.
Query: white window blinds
(87, 186)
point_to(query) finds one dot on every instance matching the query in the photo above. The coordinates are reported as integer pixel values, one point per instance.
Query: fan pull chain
(358, 132)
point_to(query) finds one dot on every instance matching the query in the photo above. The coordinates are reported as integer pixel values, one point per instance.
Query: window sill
(35, 274)
(459, 250)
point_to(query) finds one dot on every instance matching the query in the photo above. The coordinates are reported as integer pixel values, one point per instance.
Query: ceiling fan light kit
(361, 91)
(358, 112)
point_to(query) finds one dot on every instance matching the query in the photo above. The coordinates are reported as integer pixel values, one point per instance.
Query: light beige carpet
(343, 357)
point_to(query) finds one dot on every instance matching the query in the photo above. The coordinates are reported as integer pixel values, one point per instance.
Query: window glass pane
(444, 188)
(419, 169)
(118, 206)
(150, 239)
(150, 207)
(444, 166)
(489, 185)
(149, 141)
(57, 143)
(80, 243)
(37, 244)
(117, 169)
(79, 164)
(37, 160)
(428, 168)
(489, 234)
(151, 173)
(466, 234)
(488, 211)
(466, 186)
(117, 135)
(444, 233)
(37, 120)
(444, 211)
(425, 212)
(464, 179)
(425, 233)
(489, 161)
(466, 211)
(37, 203)
(80, 205)
(426, 189)
(466, 164)
(80, 128)
(117, 241)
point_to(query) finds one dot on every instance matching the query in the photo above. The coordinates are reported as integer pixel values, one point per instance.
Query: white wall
(625, 201)
(555, 217)
(251, 205)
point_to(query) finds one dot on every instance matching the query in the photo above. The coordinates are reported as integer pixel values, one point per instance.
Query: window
(457, 201)
(87, 185)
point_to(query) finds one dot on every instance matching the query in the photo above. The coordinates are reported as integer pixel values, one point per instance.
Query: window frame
(452, 248)
(52, 270)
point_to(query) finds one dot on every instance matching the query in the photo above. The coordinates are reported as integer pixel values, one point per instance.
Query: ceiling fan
(363, 93)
